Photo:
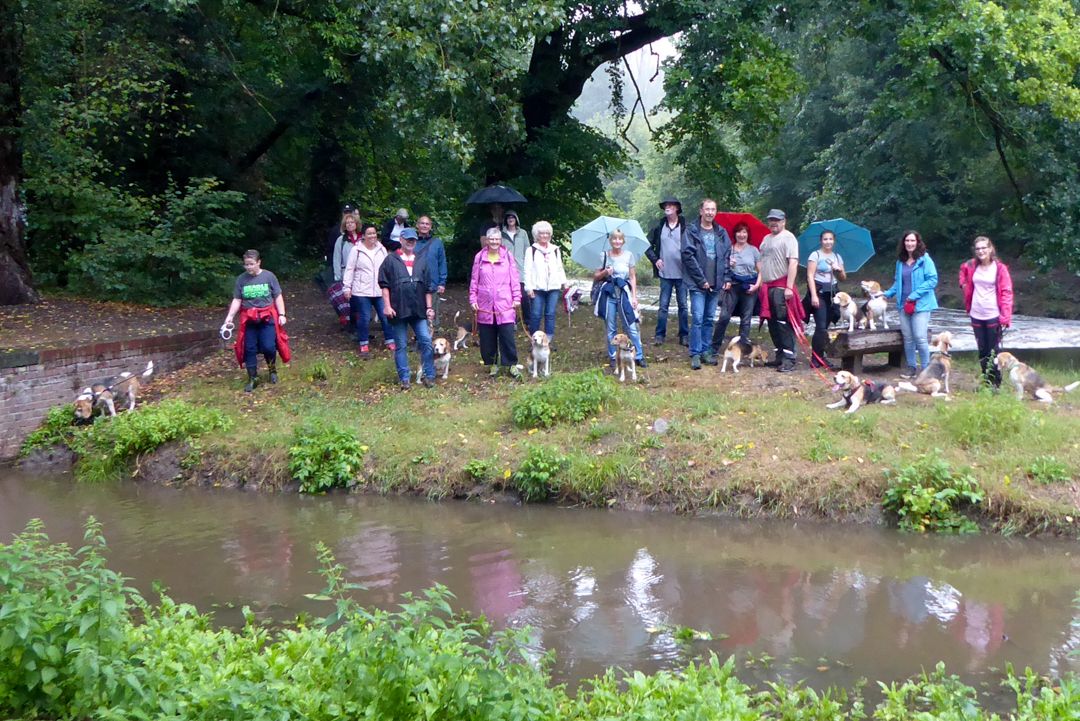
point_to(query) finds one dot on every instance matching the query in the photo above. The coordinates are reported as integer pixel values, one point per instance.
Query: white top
(543, 268)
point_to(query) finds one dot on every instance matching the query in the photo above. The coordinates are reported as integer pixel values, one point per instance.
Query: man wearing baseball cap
(665, 253)
(777, 269)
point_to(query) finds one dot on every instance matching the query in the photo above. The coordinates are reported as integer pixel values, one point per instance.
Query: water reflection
(601, 588)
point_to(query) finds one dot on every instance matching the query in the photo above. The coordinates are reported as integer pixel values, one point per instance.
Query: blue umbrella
(853, 242)
(590, 242)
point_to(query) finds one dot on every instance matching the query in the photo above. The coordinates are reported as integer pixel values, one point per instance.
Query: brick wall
(32, 382)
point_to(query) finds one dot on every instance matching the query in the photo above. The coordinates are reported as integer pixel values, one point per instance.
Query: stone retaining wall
(32, 382)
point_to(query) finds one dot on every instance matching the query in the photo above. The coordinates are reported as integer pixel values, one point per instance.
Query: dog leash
(226, 330)
(800, 336)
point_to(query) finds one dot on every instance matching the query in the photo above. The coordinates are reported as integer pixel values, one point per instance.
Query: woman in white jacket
(544, 278)
(361, 281)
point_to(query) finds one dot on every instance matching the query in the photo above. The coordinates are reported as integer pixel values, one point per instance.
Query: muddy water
(601, 588)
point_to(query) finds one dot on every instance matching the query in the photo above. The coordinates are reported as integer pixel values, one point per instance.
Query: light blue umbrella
(853, 242)
(590, 242)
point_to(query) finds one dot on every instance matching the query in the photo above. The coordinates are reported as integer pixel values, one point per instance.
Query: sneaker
(909, 374)
(683, 341)
(427, 382)
(494, 371)
(640, 363)
(391, 346)
(515, 372)
(709, 359)
(695, 362)
(365, 350)
(787, 366)
(252, 382)
(658, 341)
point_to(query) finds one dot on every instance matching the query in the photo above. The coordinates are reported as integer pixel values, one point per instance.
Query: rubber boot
(253, 380)
(273, 371)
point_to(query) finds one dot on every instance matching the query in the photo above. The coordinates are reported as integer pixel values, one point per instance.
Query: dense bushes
(324, 456)
(569, 397)
(70, 648)
(928, 494)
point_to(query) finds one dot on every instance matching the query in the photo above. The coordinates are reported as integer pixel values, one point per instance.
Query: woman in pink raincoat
(495, 296)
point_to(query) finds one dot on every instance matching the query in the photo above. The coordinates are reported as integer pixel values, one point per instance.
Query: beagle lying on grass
(858, 394)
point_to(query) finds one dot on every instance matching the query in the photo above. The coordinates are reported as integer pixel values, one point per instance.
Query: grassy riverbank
(758, 443)
(76, 642)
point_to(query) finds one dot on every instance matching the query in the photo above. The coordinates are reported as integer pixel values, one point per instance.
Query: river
(600, 588)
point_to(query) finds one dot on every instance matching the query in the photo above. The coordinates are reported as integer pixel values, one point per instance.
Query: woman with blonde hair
(618, 295)
(988, 299)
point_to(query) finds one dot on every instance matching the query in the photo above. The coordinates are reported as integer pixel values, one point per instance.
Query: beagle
(857, 394)
(104, 395)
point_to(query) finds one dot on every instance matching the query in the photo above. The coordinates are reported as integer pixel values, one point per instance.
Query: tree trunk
(16, 285)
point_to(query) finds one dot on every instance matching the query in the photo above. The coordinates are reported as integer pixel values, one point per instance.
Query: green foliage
(76, 642)
(480, 469)
(57, 429)
(928, 494)
(1048, 469)
(984, 419)
(319, 371)
(106, 447)
(324, 456)
(822, 448)
(568, 398)
(537, 477)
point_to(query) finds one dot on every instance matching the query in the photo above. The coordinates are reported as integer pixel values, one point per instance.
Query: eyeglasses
(982, 247)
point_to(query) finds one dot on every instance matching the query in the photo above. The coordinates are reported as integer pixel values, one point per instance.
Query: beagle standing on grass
(104, 395)
(541, 353)
(1025, 378)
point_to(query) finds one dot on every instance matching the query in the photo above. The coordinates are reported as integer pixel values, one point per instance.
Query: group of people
(399, 274)
(711, 275)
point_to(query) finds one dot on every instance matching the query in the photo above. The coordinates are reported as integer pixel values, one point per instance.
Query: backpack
(594, 292)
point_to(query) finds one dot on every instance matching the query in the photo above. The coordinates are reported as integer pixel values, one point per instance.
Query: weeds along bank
(689, 443)
(76, 642)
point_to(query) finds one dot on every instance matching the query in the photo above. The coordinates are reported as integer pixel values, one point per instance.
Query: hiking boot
(658, 341)
(253, 380)
(273, 373)
(365, 351)
(695, 362)
(786, 366)
(709, 359)
(427, 382)
(405, 385)
(909, 374)
(774, 363)
(683, 341)
(494, 370)
(640, 362)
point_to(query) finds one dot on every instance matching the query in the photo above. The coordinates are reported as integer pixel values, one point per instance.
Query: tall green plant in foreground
(323, 456)
(71, 648)
(928, 494)
(571, 397)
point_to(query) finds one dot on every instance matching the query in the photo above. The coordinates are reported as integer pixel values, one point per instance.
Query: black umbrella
(496, 194)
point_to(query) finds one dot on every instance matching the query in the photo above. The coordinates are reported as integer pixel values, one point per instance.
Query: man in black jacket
(665, 253)
(392, 228)
(406, 290)
(706, 256)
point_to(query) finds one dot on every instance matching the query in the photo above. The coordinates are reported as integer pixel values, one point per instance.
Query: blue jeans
(259, 337)
(702, 315)
(611, 318)
(361, 311)
(666, 288)
(915, 328)
(423, 343)
(544, 306)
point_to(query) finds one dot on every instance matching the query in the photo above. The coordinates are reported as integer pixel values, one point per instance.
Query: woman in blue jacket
(913, 287)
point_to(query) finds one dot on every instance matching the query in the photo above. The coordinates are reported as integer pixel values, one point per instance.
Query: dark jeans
(400, 330)
(544, 306)
(667, 287)
(526, 302)
(988, 339)
(497, 343)
(821, 322)
(783, 337)
(729, 300)
(361, 313)
(259, 337)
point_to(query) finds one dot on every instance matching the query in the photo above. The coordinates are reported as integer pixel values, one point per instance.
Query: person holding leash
(258, 300)
(988, 299)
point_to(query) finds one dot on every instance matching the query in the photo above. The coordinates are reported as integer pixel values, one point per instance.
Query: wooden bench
(851, 347)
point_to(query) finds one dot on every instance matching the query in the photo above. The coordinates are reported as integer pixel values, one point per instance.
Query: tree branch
(249, 158)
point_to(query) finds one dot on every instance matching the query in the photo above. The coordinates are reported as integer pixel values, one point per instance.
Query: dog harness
(872, 393)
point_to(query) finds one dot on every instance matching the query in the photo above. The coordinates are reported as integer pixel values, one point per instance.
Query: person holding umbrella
(706, 255)
(665, 254)
(823, 268)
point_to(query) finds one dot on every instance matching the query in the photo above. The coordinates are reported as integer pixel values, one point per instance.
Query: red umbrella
(728, 221)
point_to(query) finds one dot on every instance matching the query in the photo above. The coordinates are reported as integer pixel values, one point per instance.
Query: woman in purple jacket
(495, 296)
